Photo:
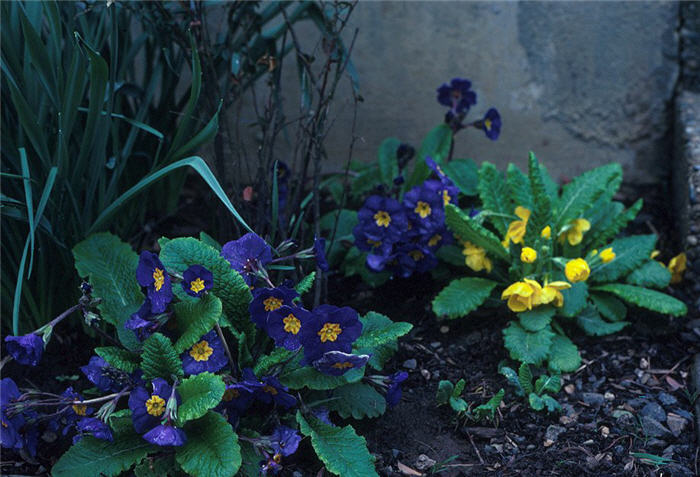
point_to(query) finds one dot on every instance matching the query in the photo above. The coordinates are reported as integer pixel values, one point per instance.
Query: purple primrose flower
(247, 255)
(330, 329)
(197, 280)
(284, 325)
(26, 349)
(337, 363)
(151, 274)
(267, 300)
(206, 355)
(490, 124)
(457, 95)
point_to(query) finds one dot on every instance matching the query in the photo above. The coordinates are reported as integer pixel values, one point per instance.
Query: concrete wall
(580, 83)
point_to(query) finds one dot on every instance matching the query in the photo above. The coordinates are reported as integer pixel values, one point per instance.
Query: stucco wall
(580, 83)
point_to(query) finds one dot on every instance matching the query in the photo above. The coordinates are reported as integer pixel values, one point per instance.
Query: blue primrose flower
(382, 220)
(337, 363)
(12, 423)
(72, 413)
(102, 375)
(197, 280)
(26, 349)
(268, 389)
(490, 124)
(284, 326)
(320, 253)
(149, 409)
(393, 392)
(330, 329)
(284, 441)
(206, 355)
(166, 435)
(247, 255)
(142, 322)
(151, 274)
(444, 190)
(425, 207)
(238, 397)
(93, 427)
(457, 95)
(267, 300)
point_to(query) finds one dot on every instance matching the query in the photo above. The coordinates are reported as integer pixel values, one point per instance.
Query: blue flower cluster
(458, 96)
(402, 237)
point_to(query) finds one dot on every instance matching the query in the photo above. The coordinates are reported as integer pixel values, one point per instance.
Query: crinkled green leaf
(541, 215)
(458, 404)
(519, 187)
(644, 298)
(211, 449)
(462, 296)
(583, 191)
(121, 422)
(459, 388)
(159, 358)
(157, 466)
(267, 361)
(436, 144)
(444, 391)
(110, 266)
(464, 173)
(119, 358)
(489, 408)
(387, 160)
(590, 321)
(295, 376)
(650, 275)
(198, 394)
(575, 299)
(93, 457)
(195, 319)
(563, 355)
(379, 338)
(512, 378)
(618, 223)
(536, 402)
(630, 253)
(609, 306)
(537, 318)
(178, 254)
(525, 378)
(493, 192)
(546, 384)
(526, 346)
(341, 450)
(551, 403)
(470, 230)
(305, 283)
(357, 400)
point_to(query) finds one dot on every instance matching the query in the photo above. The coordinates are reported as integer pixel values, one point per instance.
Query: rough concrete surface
(579, 83)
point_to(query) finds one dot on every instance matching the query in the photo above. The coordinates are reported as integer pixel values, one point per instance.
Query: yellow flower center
(607, 255)
(270, 389)
(329, 332)
(158, 279)
(230, 394)
(422, 209)
(416, 255)
(197, 285)
(434, 240)
(277, 457)
(272, 303)
(291, 324)
(374, 243)
(155, 406)
(446, 197)
(382, 218)
(79, 409)
(487, 124)
(201, 351)
(343, 365)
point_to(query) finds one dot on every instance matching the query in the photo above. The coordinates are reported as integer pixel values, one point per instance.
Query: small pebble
(444, 329)
(653, 410)
(410, 364)
(609, 396)
(667, 399)
(593, 399)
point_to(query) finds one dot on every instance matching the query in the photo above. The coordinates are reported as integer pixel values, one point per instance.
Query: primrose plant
(399, 227)
(217, 372)
(556, 259)
(451, 394)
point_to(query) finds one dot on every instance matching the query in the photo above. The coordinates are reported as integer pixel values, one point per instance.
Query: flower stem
(226, 348)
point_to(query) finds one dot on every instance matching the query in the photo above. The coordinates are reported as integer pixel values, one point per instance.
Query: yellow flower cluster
(574, 233)
(577, 270)
(475, 257)
(517, 228)
(528, 294)
(677, 267)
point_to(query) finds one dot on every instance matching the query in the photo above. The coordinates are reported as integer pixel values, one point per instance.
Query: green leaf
(458, 404)
(121, 422)
(91, 456)
(462, 296)
(650, 275)
(195, 319)
(519, 187)
(630, 253)
(536, 402)
(341, 450)
(489, 408)
(119, 358)
(609, 306)
(354, 264)
(512, 378)
(644, 298)
(541, 215)
(211, 449)
(357, 400)
(537, 318)
(178, 254)
(444, 391)
(250, 466)
(159, 467)
(464, 174)
(110, 266)
(525, 346)
(267, 361)
(546, 383)
(305, 283)
(619, 223)
(575, 299)
(525, 378)
(387, 160)
(563, 355)
(551, 403)
(199, 393)
(436, 145)
(470, 230)
(459, 388)
(295, 376)
(590, 321)
(379, 338)
(493, 192)
(159, 358)
(584, 190)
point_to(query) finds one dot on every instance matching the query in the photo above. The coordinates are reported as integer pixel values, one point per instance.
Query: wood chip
(406, 470)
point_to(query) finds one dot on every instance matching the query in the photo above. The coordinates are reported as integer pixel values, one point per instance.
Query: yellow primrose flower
(519, 296)
(574, 234)
(551, 292)
(528, 255)
(546, 232)
(577, 270)
(607, 255)
(516, 229)
(475, 258)
(677, 266)
(654, 254)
